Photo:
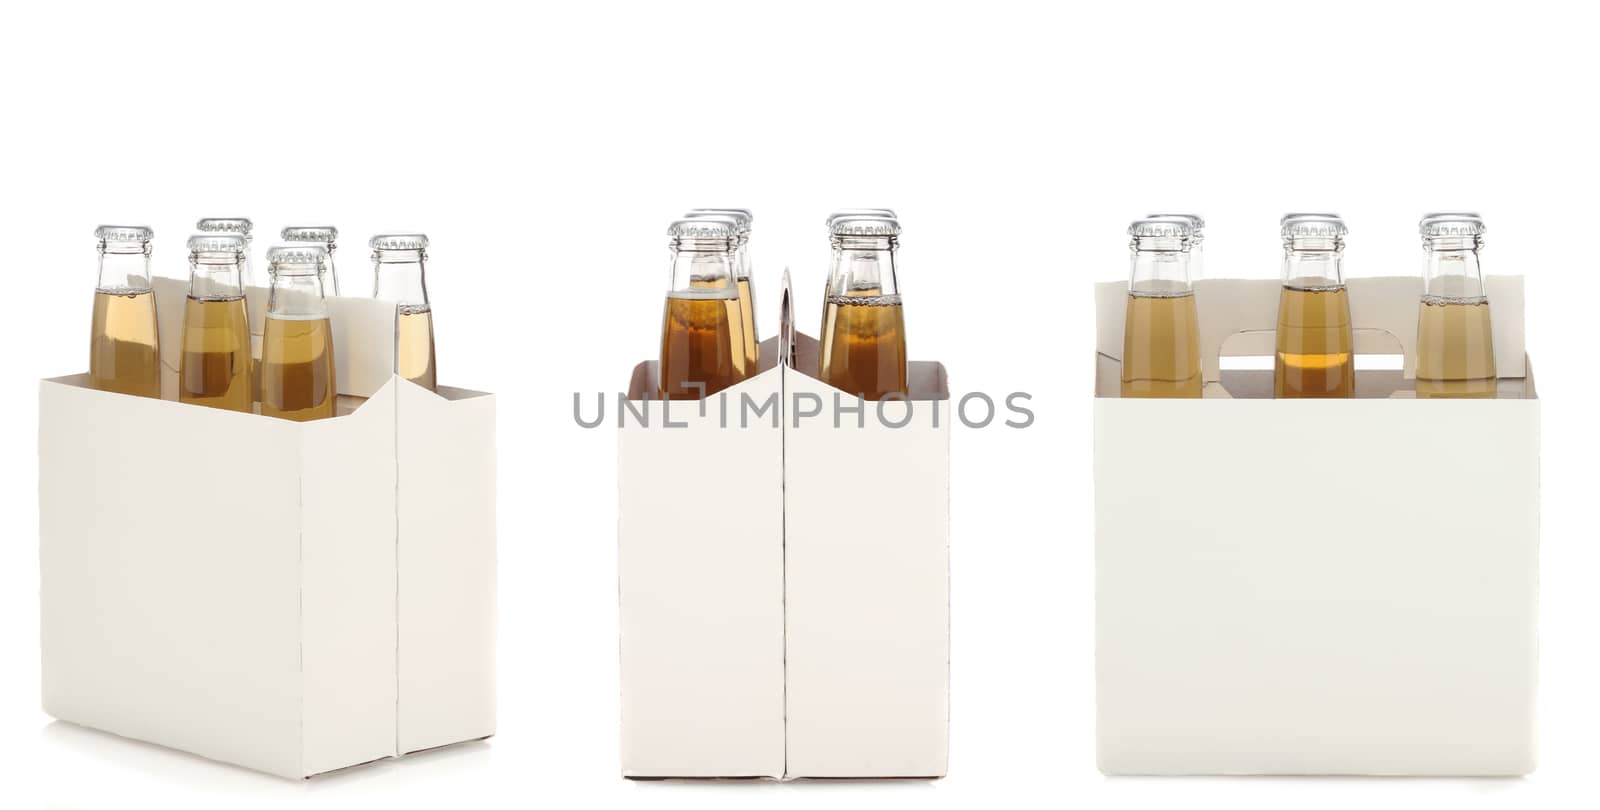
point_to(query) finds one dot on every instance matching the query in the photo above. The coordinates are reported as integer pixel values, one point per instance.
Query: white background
(544, 151)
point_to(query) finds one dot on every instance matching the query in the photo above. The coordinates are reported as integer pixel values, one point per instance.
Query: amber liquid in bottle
(747, 326)
(414, 346)
(214, 367)
(123, 353)
(1455, 350)
(1316, 348)
(297, 374)
(864, 344)
(1161, 347)
(701, 343)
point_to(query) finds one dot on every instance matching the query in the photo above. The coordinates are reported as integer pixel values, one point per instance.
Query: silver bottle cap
(1313, 226)
(238, 225)
(742, 214)
(309, 233)
(124, 233)
(742, 220)
(1464, 224)
(1161, 227)
(1287, 218)
(216, 243)
(1196, 222)
(881, 213)
(864, 226)
(398, 241)
(708, 226)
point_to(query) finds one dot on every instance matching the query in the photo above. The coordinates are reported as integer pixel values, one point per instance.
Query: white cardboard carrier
(291, 597)
(784, 584)
(1316, 586)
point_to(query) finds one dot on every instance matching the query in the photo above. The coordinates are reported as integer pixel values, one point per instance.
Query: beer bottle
(742, 277)
(863, 334)
(324, 235)
(1455, 345)
(1161, 335)
(702, 344)
(1197, 239)
(398, 261)
(124, 354)
(297, 374)
(241, 226)
(214, 366)
(1315, 345)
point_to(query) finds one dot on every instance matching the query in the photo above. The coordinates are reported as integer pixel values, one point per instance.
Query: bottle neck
(703, 267)
(741, 258)
(297, 295)
(863, 266)
(399, 276)
(1452, 270)
(216, 276)
(1160, 267)
(124, 267)
(1313, 264)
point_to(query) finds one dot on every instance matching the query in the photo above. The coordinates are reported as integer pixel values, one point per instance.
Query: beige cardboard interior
(1239, 316)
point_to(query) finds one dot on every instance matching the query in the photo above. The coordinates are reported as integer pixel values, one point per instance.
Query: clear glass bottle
(863, 333)
(241, 226)
(1161, 334)
(1455, 342)
(298, 379)
(1197, 241)
(399, 274)
(214, 366)
(702, 344)
(124, 350)
(742, 277)
(325, 235)
(1315, 343)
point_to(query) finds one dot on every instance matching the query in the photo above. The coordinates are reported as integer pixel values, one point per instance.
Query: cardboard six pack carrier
(1316, 586)
(784, 582)
(291, 597)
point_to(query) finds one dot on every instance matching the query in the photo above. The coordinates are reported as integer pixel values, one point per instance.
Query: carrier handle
(786, 338)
